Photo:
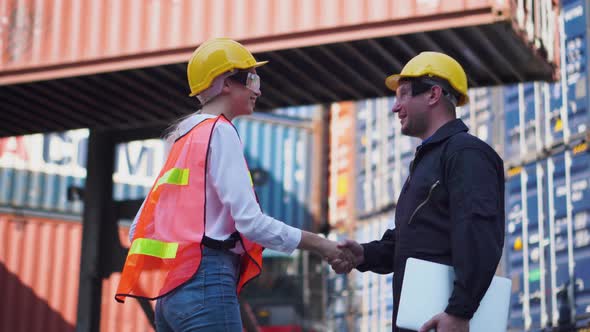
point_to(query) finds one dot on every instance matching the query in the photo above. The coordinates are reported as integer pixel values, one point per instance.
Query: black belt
(226, 244)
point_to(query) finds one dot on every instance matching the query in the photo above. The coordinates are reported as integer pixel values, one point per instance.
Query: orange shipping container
(61, 32)
(39, 273)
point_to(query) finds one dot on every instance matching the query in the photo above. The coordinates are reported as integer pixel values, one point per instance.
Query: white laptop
(426, 291)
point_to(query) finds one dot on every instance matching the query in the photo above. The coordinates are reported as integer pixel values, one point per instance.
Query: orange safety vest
(166, 247)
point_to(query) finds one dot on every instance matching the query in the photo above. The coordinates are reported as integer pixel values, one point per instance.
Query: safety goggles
(248, 79)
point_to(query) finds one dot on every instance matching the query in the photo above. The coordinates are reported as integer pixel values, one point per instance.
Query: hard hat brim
(392, 83)
(258, 64)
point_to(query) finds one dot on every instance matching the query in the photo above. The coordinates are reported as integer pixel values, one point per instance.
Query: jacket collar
(449, 129)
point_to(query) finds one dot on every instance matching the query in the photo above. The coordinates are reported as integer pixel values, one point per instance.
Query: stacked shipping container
(361, 301)
(364, 301)
(547, 189)
(39, 271)
(38, 175)
(38, 171)
(547, 210)
(542, 134)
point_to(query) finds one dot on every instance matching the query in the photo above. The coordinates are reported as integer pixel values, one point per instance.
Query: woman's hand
(329, 250)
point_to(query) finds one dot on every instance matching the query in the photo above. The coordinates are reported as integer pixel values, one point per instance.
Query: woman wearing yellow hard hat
(199, 236)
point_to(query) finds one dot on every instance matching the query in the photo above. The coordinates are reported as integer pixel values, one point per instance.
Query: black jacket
(450, 211)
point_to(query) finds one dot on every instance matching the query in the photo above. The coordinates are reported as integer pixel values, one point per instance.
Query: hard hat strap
(425, 83)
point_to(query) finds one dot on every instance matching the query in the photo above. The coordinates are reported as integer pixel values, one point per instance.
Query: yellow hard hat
(215, 57)
(434, 64)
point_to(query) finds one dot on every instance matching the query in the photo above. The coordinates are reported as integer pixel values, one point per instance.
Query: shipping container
(42, 33)
(525, 243)
(524, 119)
(540, 114)
(483, 116)
(339, 300)
(548, 239)
(40, 268)
(548, 188)
(341, 168)
(373, 292)
(361, 301)
(39, 273)
(283, 150)
(575, 71)
(41, 172)
(309, 112)
(382, 155)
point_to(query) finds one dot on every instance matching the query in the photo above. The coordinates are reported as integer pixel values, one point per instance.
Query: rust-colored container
(39, 274)
(59, 32)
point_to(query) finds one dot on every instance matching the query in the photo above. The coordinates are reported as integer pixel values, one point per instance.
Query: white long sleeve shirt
(231, 204)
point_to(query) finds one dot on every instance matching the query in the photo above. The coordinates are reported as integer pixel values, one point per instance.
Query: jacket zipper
(407, 184)
(425, 201)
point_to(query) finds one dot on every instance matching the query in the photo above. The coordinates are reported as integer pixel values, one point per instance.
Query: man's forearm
(378, 257)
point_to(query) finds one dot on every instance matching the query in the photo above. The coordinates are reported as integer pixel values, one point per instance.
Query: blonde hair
(175, 130)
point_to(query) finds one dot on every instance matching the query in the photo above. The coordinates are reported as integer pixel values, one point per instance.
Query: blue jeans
(206, 302)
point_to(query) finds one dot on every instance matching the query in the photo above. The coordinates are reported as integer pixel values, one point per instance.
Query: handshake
(343, 256)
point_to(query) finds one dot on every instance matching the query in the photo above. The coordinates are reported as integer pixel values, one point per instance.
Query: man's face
(411, 110)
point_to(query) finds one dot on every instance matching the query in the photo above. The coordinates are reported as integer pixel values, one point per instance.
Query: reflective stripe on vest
(154, 248)
(175, 176)
(166, 248)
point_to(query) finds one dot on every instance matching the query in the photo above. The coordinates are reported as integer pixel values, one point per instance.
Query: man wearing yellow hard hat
(451, 208)
(199, 235)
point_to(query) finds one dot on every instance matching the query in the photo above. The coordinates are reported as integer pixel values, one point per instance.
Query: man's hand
(444, 322)
(353, 255)
(330, 251)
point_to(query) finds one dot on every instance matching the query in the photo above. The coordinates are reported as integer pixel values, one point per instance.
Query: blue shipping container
(283, 148)
(576, 64)
(37, 170)
(553, 252)
(382, 155)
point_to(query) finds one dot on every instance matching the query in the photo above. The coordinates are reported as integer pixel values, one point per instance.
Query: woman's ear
(226, 87)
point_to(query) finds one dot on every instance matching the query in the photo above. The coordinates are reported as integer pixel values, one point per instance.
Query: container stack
(42, 177)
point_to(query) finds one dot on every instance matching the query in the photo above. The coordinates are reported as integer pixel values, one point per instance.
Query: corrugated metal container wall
(525, 243)
(550, 257)
(339, 301)
(539, 110)
(341, 166)
(541, 105)
(40, 262)
(551, 197)
(60, 31)
(301, 112)
(580, 205)
(285, 149)
(373, 292)
(575, 25)
(361, 301)
(383, 155)
(522, 116)
(481, 115)
(570, 172)
(37, 171)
